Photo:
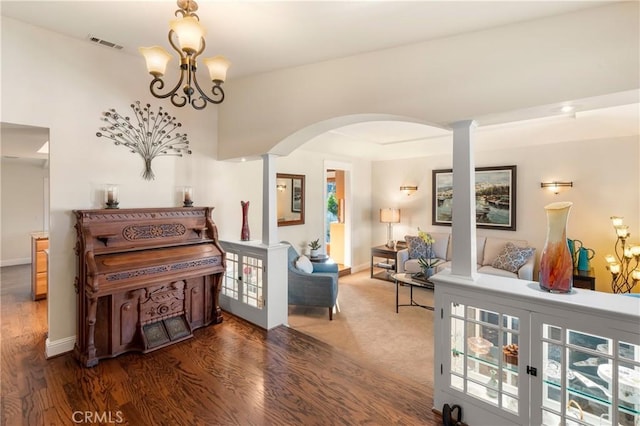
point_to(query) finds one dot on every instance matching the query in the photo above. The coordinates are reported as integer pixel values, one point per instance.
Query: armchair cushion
(304, 264)
(512, 257)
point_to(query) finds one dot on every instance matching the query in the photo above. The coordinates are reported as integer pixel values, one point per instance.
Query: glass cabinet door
(485, 360)
(579, 383)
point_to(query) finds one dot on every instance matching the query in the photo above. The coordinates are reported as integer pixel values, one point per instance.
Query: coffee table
(406, 279)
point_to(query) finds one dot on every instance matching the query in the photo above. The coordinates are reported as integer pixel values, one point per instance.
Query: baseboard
(59, 347)
(13, 262)
(361, 267)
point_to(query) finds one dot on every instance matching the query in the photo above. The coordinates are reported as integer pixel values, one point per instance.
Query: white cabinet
(254, 286)
(508, 353)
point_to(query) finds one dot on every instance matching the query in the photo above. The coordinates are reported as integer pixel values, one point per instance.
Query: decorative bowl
(628, 382)
(479, 345)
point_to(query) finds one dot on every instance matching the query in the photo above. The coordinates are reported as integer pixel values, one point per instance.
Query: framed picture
(495, 197)
(296, 195)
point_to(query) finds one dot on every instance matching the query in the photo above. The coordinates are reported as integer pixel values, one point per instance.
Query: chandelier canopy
(186, 36)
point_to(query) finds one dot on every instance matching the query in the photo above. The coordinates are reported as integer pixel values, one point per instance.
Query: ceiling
(262, 36)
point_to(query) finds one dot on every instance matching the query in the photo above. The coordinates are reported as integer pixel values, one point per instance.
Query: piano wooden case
(146, 278)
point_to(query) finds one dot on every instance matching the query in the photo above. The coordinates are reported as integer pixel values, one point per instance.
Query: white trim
(58, 347)
(13, 262)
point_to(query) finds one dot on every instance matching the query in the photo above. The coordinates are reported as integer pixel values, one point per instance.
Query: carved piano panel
(146, 279)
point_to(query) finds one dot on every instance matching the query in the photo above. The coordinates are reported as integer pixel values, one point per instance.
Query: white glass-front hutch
(509, 353)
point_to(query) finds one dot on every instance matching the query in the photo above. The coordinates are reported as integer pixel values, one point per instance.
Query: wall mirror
(290, 199)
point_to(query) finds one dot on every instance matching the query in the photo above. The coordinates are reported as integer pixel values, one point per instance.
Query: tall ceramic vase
(556, 263)
(244, 234)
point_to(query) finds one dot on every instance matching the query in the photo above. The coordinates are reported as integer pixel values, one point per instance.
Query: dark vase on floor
(244, 234)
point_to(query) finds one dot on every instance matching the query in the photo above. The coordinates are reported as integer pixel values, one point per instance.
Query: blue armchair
(319, 288)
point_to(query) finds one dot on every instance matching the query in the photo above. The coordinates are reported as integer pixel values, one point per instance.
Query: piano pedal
(166, 331)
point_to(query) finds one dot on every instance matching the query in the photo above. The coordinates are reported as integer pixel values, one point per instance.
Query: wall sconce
(111, 196)
(408, 189)
(555, 186)
(187, 196)
(625, 274)
(390, 216)
(281, 187)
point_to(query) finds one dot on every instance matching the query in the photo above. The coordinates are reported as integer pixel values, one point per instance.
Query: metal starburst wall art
(151, 135)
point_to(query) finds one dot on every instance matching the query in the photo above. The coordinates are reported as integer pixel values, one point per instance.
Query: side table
(584, 279)
(385, 269)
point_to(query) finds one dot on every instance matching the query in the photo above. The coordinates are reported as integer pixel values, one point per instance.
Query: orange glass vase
(556, 262)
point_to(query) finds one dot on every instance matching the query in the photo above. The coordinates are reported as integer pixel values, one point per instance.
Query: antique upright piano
(146, 278)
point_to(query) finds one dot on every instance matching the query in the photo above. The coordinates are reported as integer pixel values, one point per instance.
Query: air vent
(103, 42)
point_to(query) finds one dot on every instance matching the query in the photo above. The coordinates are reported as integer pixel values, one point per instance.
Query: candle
(188, 191)
(112, 194)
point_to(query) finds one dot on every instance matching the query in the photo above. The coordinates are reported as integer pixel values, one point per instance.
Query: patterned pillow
(417, 247)
(513, 257)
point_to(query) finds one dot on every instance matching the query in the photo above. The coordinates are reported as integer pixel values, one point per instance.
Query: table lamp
(390, 216)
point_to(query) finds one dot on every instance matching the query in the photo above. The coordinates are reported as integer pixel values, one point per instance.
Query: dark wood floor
(228, 374)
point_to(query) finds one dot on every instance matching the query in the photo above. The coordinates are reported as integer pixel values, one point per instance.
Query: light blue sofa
(319, 288)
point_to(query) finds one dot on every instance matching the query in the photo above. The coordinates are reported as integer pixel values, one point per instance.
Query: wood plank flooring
(229, 374)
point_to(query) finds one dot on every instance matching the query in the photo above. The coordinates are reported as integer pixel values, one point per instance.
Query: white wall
(577, 55)
(68, 96)
(311, 164)
(605, 174)
(22, 208)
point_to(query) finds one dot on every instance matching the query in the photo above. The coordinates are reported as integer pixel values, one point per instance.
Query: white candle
(188, 191)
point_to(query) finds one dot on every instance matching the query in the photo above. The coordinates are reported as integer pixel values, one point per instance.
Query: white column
(463, 229)
(269, 220)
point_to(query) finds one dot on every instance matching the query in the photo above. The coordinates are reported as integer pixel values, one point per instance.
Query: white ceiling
(261, 36)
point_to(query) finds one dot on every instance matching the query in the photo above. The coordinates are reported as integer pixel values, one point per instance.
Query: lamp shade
(218, 66)
(390, 215)
(157, 59)
(189, 32)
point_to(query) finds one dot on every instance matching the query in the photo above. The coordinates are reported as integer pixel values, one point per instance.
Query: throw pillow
(512, 257)
(304, 264)
(417, 247)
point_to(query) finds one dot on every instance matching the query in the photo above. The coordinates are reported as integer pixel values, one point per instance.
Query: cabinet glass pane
(510, 403)
(230, 282)
(550, 419)
(628, 351)
(551, 375)
(457, 310)
(457, 345)
(252, 281)
(628, 383)
(588, 341)
(550, 332)
(510, 322)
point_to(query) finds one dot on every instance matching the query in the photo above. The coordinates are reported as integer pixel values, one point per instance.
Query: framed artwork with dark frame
(290, 199)
(495, 197)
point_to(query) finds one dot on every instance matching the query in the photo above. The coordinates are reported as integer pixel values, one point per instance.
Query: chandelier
(186, 36)
(625, 265)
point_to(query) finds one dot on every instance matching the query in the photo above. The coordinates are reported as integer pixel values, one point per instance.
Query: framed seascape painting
(495, 197)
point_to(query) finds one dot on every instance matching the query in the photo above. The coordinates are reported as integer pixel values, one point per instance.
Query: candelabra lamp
(624, 265)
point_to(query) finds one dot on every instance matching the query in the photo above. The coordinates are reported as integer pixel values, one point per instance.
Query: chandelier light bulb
(635, 250)
(616, 220)
(610, 258)
(190, 33)
(614, 268)
(622, 231)
(635, 275)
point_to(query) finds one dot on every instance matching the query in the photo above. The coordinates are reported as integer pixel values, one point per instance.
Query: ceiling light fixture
(189, 45)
